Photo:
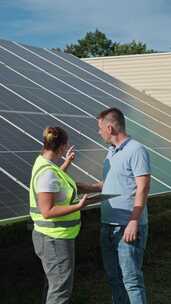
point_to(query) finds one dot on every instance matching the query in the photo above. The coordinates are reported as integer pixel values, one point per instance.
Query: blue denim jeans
(123, 264)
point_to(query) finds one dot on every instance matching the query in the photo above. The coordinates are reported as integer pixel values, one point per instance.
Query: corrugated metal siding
(149, 73)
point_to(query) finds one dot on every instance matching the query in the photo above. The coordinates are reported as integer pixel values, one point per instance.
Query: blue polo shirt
(122, 164)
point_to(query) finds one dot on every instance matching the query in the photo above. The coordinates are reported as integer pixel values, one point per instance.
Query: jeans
(57, 257)
(123, 262)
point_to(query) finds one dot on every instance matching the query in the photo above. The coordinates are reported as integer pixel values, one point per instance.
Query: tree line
(97, 44)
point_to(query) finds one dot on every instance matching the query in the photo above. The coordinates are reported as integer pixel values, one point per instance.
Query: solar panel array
(40, 88)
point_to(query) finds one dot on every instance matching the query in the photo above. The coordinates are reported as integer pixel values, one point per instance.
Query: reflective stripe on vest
(63, 222)
(57, 224)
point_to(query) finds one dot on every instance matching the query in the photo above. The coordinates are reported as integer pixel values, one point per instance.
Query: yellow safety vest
(61, 227)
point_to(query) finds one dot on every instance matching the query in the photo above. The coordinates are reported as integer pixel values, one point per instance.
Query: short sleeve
(140, 162)
(47, 182)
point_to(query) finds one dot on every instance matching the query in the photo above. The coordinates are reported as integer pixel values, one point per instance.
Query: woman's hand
(70, 155)
(46, 202)
(83, 201)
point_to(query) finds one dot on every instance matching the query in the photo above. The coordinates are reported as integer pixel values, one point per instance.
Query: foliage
(93, 44)
(96, 44)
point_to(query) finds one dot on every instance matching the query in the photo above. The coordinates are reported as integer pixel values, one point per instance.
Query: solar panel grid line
(32, 123)
(14, 219)
(13, 152)
(68, 103)
(39, 113)
(164, 184)
(149, 148)
(110, 84)
(76, 65)
(50, 62)
(16, 104)
(49, 91)
(129, 119)
(93, 85)
(21, 130)
(14, 179)
(145, 127)
(90, 150)
(106, 149)
(26, 133)
(19, 151)
(8, 208)
(163, 148)
(18, 199)
(94, 150)
(7, 190)
(157, 153)
(99, 102)
(77, 131)
(37, 151)
(124, 102)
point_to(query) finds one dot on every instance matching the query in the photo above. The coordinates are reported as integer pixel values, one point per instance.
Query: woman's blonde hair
(54, 137)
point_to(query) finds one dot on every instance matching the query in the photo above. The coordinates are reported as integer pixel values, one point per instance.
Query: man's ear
(110, 129)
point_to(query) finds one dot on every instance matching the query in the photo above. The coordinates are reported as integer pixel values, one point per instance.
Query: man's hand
(143, 185)
(131, 231)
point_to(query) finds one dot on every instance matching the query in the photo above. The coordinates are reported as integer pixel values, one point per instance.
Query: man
(124, 218)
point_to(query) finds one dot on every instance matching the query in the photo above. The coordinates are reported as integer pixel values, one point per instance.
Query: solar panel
(39, 88)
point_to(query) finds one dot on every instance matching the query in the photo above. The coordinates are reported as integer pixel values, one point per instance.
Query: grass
(21, 278)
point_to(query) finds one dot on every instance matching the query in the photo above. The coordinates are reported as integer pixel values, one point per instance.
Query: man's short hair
(113, 115)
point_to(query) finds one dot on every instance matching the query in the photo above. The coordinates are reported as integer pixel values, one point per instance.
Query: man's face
(104, 130)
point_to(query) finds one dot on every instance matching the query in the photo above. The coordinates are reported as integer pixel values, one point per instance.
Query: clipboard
(99, 197)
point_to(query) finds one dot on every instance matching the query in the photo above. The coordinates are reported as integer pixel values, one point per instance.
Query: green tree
(130, 48)
(96, 44)
(92, 45)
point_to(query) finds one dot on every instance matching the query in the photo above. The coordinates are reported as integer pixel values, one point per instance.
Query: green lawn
(21, 273)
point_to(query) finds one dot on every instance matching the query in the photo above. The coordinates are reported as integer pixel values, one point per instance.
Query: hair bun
(49, 137)
(54, 137)
(49, 134)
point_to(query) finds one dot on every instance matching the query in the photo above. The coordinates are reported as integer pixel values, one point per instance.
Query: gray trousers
(57, 257)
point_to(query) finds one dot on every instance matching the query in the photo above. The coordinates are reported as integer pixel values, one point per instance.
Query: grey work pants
(57, 257)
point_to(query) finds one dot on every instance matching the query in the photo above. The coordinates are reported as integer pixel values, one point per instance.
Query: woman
(56, 217)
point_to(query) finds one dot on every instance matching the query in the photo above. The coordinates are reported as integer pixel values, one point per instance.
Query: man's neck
(119, 139)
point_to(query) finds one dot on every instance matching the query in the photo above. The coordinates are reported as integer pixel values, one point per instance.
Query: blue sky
(55, 23)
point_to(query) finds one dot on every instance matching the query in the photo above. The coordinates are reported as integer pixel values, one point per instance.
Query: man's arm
(89, 188)
(143, 186)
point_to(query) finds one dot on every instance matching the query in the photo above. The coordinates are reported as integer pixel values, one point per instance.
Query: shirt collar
(119, 147)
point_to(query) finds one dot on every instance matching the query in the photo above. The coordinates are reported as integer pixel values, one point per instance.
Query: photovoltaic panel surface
(39, 88)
